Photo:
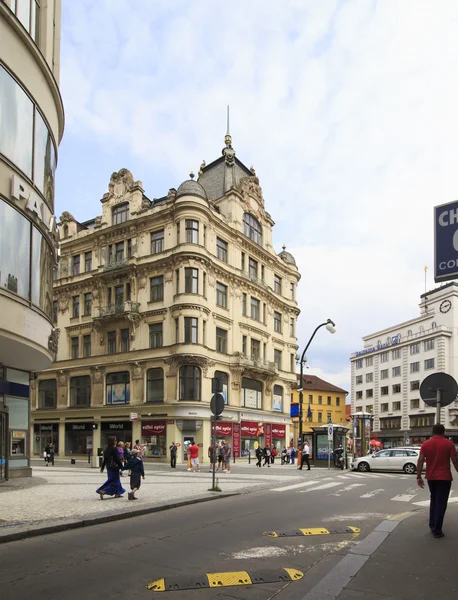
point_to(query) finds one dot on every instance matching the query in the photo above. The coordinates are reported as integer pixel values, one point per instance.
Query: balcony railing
(115, 263)
(113, 310)
(253, 362)
(255, 280)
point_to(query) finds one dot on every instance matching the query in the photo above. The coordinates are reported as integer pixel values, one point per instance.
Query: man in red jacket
(438, 452)
(194, 454)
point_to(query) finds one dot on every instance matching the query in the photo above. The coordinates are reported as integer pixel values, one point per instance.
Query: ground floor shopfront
(412, 437)
(77, 436)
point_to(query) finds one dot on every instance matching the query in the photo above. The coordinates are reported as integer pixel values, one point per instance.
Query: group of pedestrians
(118, 458)
(220, 455)
(268, 453)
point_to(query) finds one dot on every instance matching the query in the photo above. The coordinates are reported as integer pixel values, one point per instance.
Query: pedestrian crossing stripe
(312, 531)
(223, 579)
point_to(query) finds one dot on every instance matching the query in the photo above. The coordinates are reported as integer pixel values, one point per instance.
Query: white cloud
(346, 109)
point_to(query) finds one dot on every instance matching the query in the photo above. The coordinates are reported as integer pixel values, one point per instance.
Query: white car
(394, 459)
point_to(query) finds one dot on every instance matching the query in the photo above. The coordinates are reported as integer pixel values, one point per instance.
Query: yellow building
(323, 403)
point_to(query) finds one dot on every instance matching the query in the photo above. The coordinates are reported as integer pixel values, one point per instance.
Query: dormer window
(120, 213)
(252, 228)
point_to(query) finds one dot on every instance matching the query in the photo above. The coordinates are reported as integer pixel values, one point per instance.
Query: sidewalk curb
(28, 531)
(335, 581)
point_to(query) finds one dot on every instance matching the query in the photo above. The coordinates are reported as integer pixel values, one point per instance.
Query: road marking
(407, 497)
(397, 517)
(223, 579)
(372, 494)
(322, 487)
(311, 531)
(295, 486)
(426, 502)
(348, 488)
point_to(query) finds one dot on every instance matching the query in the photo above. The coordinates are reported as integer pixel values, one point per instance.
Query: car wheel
(364, 467)
(410, 468)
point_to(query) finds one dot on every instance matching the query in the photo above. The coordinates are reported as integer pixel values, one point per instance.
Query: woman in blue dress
(112, 461)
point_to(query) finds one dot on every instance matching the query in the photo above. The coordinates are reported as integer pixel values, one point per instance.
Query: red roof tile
(316, 384)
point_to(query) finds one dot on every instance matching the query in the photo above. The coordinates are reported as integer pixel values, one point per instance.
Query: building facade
(323, 403)
(153, 299)
(387, 373)
(31, 127)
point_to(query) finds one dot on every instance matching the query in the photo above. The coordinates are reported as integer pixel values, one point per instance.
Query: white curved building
(31, 127)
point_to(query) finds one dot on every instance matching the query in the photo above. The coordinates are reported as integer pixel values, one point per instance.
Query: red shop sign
(249, 429)
(224, 429)
(236, 440)
(153, 427)
(268, 433)
(278, 432)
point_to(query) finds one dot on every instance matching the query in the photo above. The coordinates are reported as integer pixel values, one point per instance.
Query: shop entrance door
(3, 445)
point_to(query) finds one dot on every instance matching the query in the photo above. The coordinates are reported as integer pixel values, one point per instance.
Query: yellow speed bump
(311, 531)
(224, 579)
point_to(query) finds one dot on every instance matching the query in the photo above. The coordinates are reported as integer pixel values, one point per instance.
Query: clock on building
(445, 306)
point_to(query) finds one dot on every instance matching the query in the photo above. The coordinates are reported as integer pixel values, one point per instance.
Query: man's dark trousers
(173, 461)
(440, 490)
(305, 459)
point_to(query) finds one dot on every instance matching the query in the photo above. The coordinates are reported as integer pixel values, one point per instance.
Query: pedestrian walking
(194, 455)
(219, 456)
(112, 461)
(127, 451)
(284, 456)
(139, 447)
(259, 454)
(121, 450)
(266, 455)
(273, 454)
(49, 454)
(212, 455)
(305, 454)
(293, 455)
(173, 455)
(438, 452)
(137, 473)
(227, 451)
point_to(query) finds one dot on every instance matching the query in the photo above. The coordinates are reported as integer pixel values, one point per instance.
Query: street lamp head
(331, 326)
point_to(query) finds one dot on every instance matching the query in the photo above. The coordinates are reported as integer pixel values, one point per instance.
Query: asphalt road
(117, 559)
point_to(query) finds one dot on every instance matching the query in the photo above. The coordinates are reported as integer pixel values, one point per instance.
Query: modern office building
(323, 403)
(387, 372)
(153, 299)
(31, 127)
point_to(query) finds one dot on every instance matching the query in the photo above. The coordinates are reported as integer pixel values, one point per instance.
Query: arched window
(433, 325)
(251, 393)
(190, 383)
(47, 393)
(409, 333)
(224, 378)
(155, 385)
(65, 231)
(252, 228)
(277, 398)
(118, 388)
(421, 329)
(120, 213)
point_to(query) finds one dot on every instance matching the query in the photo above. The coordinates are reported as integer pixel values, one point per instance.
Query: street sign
(330, 433)
(133, 416)
(438, 389)
(446, 241)
(217, 404)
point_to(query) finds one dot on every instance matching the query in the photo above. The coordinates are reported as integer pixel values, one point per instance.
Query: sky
(346, 109)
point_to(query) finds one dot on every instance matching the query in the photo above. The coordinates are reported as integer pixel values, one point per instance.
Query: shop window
(251, 393)
(80, 391)
(47, 393)
(120, 213)
(190, 383)
(277, 398)
(155, 385)
(118, 388)
(252, 228)
(224, 378)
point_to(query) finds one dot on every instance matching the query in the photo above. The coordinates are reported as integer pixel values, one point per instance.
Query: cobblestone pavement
(64, 492)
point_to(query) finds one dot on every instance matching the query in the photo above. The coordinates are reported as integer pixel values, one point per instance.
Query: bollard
(72, 461)
(249, 457)
(89, 457)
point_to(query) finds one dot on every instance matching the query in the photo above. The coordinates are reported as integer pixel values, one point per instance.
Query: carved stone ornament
(63, 378)
(120, 183)
(180, 360)
(135, 319)
(171, 194)
(249, 188)
(97, 374)
(63, 303)
(138, 370)
(236, 372)
(33, 381)
(66, 217)
(270, 379)
(53, 340)
(142, 280)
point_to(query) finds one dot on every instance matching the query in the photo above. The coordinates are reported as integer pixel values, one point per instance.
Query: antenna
(426, 270)
(228, 132)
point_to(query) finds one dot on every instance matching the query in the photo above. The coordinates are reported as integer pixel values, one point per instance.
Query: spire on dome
(228, 151)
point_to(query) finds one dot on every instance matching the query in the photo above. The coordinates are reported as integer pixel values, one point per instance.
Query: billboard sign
(446, 241)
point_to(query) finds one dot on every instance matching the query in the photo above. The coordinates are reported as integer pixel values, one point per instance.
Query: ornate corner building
(152, 300)
(31, 127)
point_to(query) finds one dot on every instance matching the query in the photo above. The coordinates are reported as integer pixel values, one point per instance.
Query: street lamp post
(331, 327)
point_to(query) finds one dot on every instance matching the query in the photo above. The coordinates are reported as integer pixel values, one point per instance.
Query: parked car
(395, 459)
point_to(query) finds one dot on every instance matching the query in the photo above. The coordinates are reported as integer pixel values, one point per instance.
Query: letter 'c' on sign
(455, 240)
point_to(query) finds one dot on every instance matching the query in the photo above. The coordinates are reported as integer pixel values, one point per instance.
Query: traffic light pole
(213, 457)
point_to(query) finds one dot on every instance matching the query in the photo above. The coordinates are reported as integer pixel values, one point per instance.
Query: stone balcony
(123, 309)
(254, 363)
